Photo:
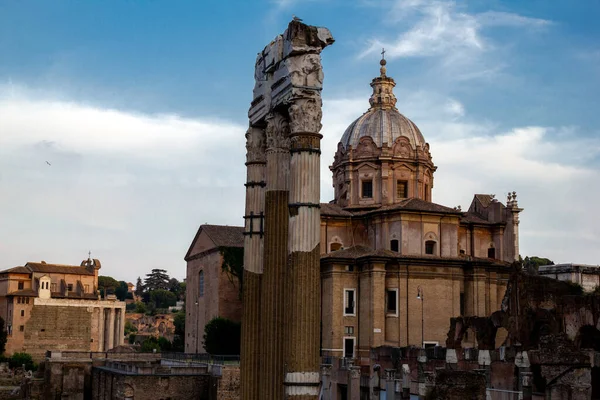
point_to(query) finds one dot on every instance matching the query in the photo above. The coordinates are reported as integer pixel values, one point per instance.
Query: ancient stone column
(122, 330)
(111, 329)
(353, 383)
(326, 381)
(253, 262)
(287, 104)
(101, 329)
(275, 258)
(405, 382)
(390, 388)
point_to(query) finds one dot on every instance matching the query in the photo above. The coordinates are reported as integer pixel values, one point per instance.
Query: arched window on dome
(335, 246)
(394, 245)
(201, 284)
(430, 247)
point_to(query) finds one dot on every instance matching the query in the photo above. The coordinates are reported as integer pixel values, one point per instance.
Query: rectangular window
(22, 313)
(348, 347)
(401, 189)
(27, 300)
(430, 247)
(349, 306)
(367, 189)
(491, 252)
(70, 287)
(394, 245)
(349, 330)
(426, 194)
(429, 345)
(21, 328)
(392, 301)
(21, 285)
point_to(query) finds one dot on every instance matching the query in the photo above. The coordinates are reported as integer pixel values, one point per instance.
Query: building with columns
(57, 307)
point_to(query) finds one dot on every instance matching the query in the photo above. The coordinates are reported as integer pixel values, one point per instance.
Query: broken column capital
(277, 133)
(255, 145)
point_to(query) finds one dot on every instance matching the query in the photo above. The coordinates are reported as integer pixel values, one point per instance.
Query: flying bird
(48, 163)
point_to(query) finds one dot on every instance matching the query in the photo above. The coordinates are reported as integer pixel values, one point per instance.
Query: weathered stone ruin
(281, 306)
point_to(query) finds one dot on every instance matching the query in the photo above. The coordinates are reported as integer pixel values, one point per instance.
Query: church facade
(395, 266)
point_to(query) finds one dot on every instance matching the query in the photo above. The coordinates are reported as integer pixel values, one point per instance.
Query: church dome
(383, 126)
(382, 122)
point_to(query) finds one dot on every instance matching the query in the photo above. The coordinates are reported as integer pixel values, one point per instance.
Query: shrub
(222, 337)
(131, 338)
(17, 360)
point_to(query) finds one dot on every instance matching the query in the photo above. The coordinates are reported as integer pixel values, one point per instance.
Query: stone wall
(111, 385)
(229, 383)
(58, 328)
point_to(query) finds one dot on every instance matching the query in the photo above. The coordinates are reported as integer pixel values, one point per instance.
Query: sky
(122, 122)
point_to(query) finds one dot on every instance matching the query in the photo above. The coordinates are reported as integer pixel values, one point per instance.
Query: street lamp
(197, 320)
(421, 297)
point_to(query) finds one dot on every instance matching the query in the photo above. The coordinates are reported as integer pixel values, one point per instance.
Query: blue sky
(140, 106)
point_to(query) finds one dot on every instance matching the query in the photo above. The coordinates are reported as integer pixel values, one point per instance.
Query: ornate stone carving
(402, 147)
(277, 132)
(305, 70)
(339, 154)
(305, 115)
(255, 145)
(366, 148)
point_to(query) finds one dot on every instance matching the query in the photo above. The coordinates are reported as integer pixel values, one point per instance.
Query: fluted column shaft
(303, 294)
(276, 234)
(253, 264)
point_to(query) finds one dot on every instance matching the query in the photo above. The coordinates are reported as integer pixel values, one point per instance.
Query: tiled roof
(334, 210)
(23, 292)
(16, 270)
(471, 218)
(57, 269)
(225, 236)
(359, 251)
(484, 199)
(414, 204)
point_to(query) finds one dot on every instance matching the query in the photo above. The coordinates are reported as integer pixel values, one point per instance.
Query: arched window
(430, 247)
(201, 284)
(394, 245)
(491, 252)
(335, 246)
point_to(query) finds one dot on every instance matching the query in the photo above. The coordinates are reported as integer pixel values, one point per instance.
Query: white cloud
(445, 30)
(119, 183)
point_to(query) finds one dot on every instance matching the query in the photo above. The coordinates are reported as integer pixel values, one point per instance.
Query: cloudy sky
(140, 109)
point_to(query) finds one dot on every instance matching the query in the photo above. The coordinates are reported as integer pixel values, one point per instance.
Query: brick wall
(57, 328)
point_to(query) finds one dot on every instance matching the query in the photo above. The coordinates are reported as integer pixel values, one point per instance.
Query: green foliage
(179, 322)
(107, 285)
(3, 336)
(129, 328)
(533, 263)
(156, 280)
(121, 291)
(131, 338)
(222, 337)
(233, 265)
(160, 344)
(17, 360)
(139, 287)
(140, 307)
(163, 298)
(130, 307)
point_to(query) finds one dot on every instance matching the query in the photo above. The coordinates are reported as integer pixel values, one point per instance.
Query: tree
(17, 360)
(139, 287)
(122, 290)
(233, 265)
(533, 263)
(162, 298)
(175, 287)
(107, 285)
(178, 340)
(3, 336)
(157, 280)
(222, 337)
